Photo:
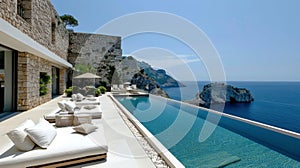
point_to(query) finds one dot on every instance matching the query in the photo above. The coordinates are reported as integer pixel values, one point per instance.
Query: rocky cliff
(214, 93)
(144, 76)
(143, 81)
(160, 76)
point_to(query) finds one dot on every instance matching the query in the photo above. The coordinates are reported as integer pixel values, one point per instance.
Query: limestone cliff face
(221, 93)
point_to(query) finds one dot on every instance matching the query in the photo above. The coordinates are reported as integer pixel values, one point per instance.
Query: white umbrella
(86, 79)
(87, 76)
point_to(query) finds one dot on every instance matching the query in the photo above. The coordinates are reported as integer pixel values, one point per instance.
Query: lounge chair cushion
(70, 106)
(61, 105)
(88, 101)
(65, 146)
(92, 110)
(74, 97)
(96, 113)
(82, 119)
(85, 128)
(42, 133)
(20, 138)
(80, 96)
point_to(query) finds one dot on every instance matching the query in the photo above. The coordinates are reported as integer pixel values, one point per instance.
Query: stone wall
(38, 21)
(102, 52)
(29, 68)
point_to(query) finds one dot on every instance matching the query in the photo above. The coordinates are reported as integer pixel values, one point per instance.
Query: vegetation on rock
(69, 20)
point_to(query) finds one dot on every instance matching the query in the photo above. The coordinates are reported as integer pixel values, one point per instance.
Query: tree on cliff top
(69, 20)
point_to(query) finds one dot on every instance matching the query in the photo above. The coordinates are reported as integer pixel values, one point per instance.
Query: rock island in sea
(216, 93)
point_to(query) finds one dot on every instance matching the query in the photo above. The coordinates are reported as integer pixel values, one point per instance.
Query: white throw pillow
(80, 96)
(74, 97)
(70, 106)
(20, 138)
(42, 133)
(85, 128)
(61, 105)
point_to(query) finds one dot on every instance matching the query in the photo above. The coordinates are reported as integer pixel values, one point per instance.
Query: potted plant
(97, 92)
(69, 91)
(102, 89)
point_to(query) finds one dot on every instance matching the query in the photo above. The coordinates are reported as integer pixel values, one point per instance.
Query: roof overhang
(17, 40)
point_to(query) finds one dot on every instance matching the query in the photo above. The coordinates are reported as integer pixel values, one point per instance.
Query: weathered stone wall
(102, 52)
(39, 25)
(29, 68)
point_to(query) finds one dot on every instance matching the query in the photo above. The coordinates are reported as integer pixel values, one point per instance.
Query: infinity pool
(232, 143)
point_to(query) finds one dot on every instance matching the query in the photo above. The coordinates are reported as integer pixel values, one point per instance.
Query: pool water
(178, 127)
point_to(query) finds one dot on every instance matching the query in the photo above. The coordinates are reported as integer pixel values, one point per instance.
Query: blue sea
(275, 103)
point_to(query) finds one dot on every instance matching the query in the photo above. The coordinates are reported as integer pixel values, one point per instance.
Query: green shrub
(102, 89)
(69, 91)
(97, 92)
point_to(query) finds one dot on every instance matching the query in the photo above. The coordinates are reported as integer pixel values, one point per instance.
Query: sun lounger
(94, 111)
(88, 101)
(118, 89)
(68, 148)
(114, 87)
(133, 87)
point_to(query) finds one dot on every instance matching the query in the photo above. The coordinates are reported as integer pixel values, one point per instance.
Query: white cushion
(96, 113)
(20, 138)
(42, 133)
(61, 105)
(82, 119)
(88, 101)
(70, 106)
(74, 97)
(80, 96)
(85, 128)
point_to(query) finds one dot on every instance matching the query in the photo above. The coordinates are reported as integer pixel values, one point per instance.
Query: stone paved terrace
(123, 148)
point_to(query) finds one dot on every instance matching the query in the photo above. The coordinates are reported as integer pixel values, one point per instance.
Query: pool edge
(168, 157)
(255, 123)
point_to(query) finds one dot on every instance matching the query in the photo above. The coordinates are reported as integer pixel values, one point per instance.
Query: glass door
(2, 78)
(7, 79)
(55, 82)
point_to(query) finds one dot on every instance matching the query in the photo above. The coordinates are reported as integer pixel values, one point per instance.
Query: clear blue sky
(257, 40)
